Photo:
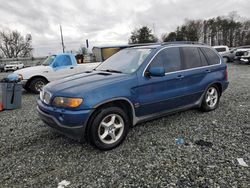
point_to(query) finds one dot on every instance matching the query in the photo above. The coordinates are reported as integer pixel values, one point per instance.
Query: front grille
(239, 53)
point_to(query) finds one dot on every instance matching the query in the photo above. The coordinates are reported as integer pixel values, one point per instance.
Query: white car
(225, 52)
(53, 68)
(12, 66)
(243, 54)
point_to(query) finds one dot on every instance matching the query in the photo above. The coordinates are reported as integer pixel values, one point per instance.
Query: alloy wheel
(111, 128)
(212, 97)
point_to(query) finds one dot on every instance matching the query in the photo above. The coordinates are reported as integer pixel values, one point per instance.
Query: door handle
(208, 70)
(71, 67)
(180, 76)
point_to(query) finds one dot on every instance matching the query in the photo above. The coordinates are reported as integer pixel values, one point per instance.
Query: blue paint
(147, 95)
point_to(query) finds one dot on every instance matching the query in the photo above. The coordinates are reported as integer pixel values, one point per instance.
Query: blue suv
(134, 85)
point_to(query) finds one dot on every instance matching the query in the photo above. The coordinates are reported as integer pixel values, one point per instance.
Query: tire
(36, 85)
(109, 128)
(211, 99)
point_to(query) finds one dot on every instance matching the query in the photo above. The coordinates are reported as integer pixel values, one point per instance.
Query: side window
(62, 60)
(168, 58)
(191, 57)
(212, 57)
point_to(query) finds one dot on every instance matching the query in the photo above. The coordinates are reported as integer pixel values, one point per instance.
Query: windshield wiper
(111, 70)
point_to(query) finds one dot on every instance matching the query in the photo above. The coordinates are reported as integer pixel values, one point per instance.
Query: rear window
(212, 57)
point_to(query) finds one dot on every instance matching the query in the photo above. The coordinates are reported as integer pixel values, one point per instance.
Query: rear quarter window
(211, 56)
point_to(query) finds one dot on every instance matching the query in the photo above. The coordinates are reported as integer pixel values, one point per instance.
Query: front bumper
(9, 68)
(67, 122)
(245, 59)
(24, 82)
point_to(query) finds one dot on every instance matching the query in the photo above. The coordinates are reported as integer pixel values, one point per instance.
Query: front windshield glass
(125, 61)
(49, 60)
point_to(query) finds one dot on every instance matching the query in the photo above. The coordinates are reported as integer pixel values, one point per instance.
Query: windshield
(220, 49)
(49, 60)
(125, 61)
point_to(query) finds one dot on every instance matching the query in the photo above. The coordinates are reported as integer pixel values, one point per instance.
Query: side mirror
(155, 71)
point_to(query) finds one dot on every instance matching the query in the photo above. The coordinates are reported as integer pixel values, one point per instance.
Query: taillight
(226, 74)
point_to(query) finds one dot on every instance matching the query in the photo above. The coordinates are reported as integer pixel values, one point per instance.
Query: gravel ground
(32, 155)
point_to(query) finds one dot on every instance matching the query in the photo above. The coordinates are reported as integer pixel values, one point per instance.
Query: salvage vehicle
(246, 57)
(53, 68)
(12, 66)
(240, 52)
(225, 52)
(132, 86)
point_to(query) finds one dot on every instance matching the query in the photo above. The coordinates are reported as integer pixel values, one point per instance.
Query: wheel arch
(34, 77)
(219, 85)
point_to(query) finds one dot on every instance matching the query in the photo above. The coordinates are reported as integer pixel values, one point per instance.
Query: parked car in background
(134, 85)
(225, 52)
(246, 57)
(53, 68)
(2, 67)
(241, 54)
(12, 66)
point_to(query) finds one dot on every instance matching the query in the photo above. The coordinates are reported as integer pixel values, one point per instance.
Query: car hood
(85, 82)
(243, 50)
(32, 70)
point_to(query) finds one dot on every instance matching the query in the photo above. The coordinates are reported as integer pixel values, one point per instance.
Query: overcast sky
(104, 22)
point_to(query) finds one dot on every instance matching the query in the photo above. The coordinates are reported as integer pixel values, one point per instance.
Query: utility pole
(62, 38)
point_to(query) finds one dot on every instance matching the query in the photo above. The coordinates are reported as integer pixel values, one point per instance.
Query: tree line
(221, 30)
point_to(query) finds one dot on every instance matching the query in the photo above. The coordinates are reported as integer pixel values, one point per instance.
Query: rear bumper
(225, 85)
(69, 123)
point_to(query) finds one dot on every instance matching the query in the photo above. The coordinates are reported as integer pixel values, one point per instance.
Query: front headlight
(246, 53)
(67, 102)
(20, 77)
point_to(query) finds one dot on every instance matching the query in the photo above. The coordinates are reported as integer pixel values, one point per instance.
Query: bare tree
(13, 44)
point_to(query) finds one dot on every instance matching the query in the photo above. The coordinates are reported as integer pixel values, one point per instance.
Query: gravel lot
(32, 155)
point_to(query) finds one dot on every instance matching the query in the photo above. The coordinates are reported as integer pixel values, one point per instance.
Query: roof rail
(183, 42)
(144, 44)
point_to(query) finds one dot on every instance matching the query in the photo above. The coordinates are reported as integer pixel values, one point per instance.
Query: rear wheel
(211, 99)
(36, 85)
(109, 128)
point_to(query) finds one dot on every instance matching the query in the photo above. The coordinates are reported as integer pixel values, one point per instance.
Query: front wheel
(109, 128)
(211, 99)
(36, 85)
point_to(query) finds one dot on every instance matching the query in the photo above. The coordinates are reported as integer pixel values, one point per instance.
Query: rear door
(196, 68)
